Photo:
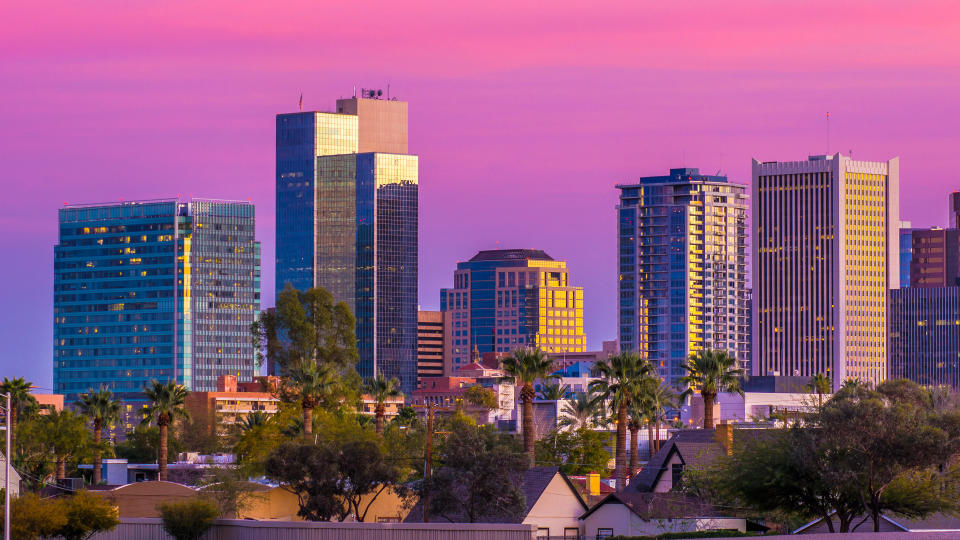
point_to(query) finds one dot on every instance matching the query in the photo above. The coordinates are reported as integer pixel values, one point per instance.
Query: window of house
(676, 471)
(604, 533)
(543, 532)
(571, 533)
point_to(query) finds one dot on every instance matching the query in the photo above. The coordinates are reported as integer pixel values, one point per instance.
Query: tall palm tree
(525, 366)
(380, 389)
(102, 410)
(657, 396)
(311, 382)
(253, 420)
(820, 384)
(554, 391)
(621, 376)
(19, 389)
(579, 412)
(711, 372)
(636, 417)
(165, 403)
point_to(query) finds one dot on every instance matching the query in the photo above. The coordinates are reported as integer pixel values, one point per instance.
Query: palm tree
(554, 391)
(820, 384)
(165, 403)
(579, 412)
(657, 396)
(102, 410)
(711, 372)
(312, 382)
(636, 417)
(253, 420)
(621, 375)
(20, 397)
(525, 366)
(381, 389)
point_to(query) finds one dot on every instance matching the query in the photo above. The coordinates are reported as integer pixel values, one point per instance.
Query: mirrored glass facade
(161, 290)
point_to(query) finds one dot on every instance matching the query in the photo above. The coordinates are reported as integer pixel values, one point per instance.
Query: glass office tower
(682, 246)
(148, 290)
(512, 298)
(347, 218)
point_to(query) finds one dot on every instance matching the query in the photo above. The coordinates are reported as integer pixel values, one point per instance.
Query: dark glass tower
(347, 218)
(147, 290)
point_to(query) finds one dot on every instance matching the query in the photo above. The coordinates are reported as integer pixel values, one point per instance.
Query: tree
(820, 384)
(306, 327)
(142, 445)
(165, 403)
(578, 451)
(229, 490)
(102, 410)
(481, 398)
(253, 420)
(63, 436)
(330, 479)
(32, 517)
(479, 479)
(381, 389)
(311, 383)
(656, 397)
(525, 366)
(554, 391)
(188, 519)
(711, 372)
(20, 397)
(87, 514)
(580, 412)
(621, 377)
(636, 416)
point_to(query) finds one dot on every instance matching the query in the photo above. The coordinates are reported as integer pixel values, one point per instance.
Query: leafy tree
(481, 398)
(20, 398)
(578, 451)
(142, 445)
(406, 417)
(87, 514)
(188, 519)
(554, 391)
(32, 517)
(365, 471)
(580, 412)
(229, 490)
(63, 436)
(102, 410)
(820, 384)
(381, 389)
(165, 403)
(525, 366)
(306, 327)
(479, 477)
(711, 372)
(621, 377)
(311, 383)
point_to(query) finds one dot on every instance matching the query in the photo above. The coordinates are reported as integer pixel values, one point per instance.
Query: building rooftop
(510, 255)
(681, 175)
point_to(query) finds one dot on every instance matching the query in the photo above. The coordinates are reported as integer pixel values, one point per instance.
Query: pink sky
(524, 114)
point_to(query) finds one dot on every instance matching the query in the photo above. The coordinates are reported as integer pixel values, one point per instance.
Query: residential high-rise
(430, 360)
(512, 298)
(935, 257)
(825, 253)
(347, 210)
(159, 289)
(682, 277)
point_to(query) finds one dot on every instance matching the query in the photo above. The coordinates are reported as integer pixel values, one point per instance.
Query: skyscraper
(158, 289)
(430, 359)
(925, 335)
(935, 257)
(825, 253)
(683, 269)
(347, 216)
(506, 299)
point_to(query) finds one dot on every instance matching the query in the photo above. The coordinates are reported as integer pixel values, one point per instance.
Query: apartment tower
(825, 253)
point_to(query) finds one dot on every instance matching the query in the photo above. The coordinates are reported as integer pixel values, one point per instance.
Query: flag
(301, 101)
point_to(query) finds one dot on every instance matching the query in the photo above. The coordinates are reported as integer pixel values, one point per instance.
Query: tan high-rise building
(430, 345)
(825, 254)
(382, 123)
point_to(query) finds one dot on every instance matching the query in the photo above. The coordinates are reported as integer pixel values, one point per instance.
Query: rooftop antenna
(828, 133)
(354, 91)
(388, 91)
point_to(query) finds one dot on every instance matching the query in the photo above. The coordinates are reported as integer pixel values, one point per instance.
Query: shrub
(32, 517)
(189, 519)
(86, 514)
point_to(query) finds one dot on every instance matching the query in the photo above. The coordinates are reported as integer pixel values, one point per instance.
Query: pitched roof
(932, 523)
(668, 505)
(535, 481)
(696, 447)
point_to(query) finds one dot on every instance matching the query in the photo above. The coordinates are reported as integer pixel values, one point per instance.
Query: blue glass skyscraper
(154, 290)
(347, 218)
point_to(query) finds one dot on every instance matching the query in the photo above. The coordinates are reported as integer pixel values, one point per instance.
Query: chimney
(724, 434)
(593, 484)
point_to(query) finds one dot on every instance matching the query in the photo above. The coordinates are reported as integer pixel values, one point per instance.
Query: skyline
(187, 104)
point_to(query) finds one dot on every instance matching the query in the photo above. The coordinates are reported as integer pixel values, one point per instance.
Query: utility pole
(427, 465)
(6, 478)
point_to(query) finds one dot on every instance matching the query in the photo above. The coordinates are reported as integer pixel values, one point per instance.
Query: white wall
(619, 518)
(556, 509)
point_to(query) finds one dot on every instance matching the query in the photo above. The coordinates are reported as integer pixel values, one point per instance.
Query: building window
(543, 532)
(676, 471)
(604, 533)
(570, 533)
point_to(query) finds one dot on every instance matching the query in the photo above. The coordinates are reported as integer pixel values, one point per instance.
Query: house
(14, 477)
(934, 523)
(688, 448)
(634, 513)
(554, 505)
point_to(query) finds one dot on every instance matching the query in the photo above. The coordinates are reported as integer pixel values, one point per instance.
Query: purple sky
(524, 114)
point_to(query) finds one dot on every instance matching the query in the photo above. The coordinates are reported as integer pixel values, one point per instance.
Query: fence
(237, 529)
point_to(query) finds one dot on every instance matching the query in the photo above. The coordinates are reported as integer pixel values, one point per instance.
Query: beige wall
(140, 500)
(557, 508)
(623, 521)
